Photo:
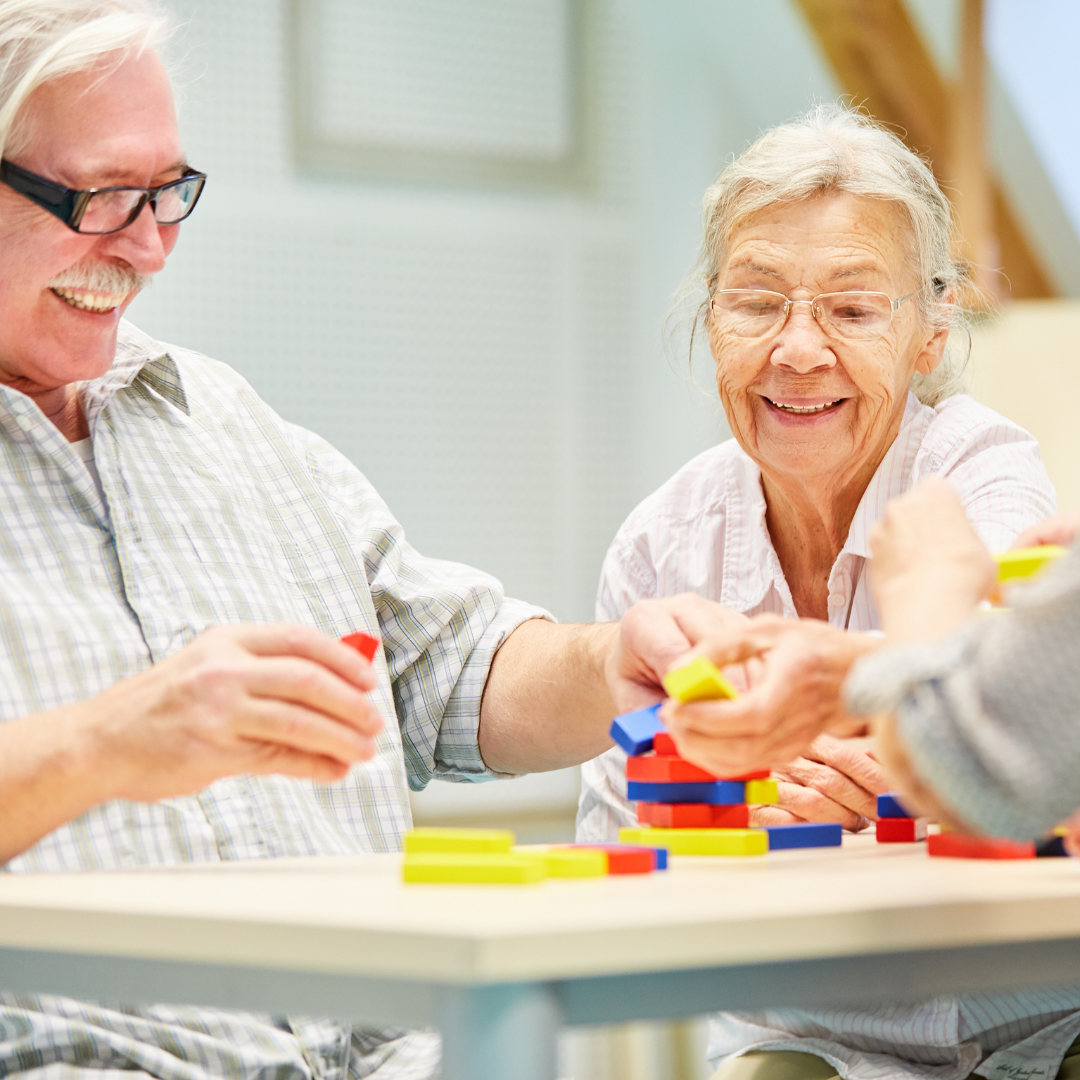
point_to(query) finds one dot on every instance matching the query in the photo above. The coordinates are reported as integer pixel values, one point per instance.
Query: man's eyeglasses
(757, 313)
(106, 210)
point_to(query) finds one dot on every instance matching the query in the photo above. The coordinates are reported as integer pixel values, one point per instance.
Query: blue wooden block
(716, 792)
(888, 805)
(801, 834)
(1051, 848)
(661, 858)
(634, 731)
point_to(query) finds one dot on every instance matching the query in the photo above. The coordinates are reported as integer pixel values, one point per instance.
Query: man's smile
(88, 301)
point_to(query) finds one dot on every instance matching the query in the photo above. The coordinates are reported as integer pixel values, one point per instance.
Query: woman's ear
(934, 349)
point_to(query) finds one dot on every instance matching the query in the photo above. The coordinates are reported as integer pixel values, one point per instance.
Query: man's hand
(835, 780)
(929, 570)
(794, 696)
(252, 699)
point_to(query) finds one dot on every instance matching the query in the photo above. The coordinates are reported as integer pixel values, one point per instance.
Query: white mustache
(100, 277)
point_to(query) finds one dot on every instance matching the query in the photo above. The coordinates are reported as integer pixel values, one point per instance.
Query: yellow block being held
(491, 841)
(762, 792)
(700, 841)
(700, 680)
(1026, 562)
(457, 868)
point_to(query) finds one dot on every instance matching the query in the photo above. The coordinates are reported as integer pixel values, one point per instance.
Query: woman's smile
(802, 411)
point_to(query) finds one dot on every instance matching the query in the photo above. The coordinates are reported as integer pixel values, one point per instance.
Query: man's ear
(934, 349)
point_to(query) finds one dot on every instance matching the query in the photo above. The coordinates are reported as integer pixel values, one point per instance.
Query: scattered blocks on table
(693, 815)
(459, 841)
(1026, 562)
(634, 731)
(665, 769)
(700, 680)
(900, 830)
(701, 841)
(716, 792)
(571, 862)
(956, 845)
(804, 834)
(889, 806)
(762, 792)
(363, 643)
(478, 868)
(628, 859)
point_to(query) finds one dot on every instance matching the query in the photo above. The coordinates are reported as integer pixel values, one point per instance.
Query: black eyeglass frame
(69, 204)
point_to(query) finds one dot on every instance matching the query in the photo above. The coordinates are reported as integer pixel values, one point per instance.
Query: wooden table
(497, 969)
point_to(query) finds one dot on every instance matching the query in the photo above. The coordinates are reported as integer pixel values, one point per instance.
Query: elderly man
(177, 564)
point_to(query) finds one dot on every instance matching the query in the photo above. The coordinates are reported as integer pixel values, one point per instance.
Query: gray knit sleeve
(991, 717)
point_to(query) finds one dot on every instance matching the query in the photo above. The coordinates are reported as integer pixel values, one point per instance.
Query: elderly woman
(830, 296)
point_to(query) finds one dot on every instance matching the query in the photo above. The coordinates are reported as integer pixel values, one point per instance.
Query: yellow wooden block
(491, 841)
(1026, 562)
(473, 868)
(570, 862)
(700, 841)
(761, 792)
(700, 680)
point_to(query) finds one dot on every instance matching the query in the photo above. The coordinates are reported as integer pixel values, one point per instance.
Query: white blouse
(704, 531)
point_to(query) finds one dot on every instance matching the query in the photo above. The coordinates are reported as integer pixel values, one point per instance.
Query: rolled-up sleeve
(990, 718)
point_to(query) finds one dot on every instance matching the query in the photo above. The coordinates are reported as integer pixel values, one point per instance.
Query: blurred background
(445, 234)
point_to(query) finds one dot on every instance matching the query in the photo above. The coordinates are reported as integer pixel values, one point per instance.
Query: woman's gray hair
(833, 148)
(41, 40)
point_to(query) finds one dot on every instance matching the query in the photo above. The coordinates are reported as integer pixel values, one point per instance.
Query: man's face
(62, 293)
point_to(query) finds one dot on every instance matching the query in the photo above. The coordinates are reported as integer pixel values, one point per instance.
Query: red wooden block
(665, 769)
(900, 830)
(625, 859)
(363, 643)
(962, 846)
(693, 815)
(664, 745)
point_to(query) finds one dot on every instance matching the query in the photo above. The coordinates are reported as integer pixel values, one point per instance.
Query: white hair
(41, 40)
(833, 148)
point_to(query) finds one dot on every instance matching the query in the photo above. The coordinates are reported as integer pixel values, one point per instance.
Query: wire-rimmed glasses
(757, 313)
(98, 211)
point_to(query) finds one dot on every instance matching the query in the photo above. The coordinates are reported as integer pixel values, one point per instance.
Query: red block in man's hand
(366, 645)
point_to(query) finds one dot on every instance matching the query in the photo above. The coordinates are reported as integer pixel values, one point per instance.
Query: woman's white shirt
(704, 531)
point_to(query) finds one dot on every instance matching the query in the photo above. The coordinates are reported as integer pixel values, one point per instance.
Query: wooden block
(889, 805)
(701, 841)
(700, 680)
(473, 868)
(762, 792)
(571, 862)
(634, 731)
(1053, 847)
(693, 815)
(1026, 562)
(363, 643)
(804, 834)
(900, 830)
(627, 859)
(665, 769)
(716, 792)
(956, 845)
(490, 841)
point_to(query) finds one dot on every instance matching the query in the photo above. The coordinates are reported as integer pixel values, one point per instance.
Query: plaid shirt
(207, 509)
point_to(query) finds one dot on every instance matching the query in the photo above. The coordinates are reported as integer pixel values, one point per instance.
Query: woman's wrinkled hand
(1062, 530)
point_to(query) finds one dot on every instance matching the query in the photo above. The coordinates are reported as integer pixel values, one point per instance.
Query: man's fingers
(285, 639)
(309, 684)
(292, 726)
(773, 815)
(284, 761)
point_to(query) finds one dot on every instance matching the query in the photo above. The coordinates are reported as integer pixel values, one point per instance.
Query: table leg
(500, 1032)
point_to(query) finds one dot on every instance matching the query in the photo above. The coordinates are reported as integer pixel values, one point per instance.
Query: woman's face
(830, 243)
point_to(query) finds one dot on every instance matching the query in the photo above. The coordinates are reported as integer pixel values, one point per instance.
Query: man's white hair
(42, 40)
(833, 148)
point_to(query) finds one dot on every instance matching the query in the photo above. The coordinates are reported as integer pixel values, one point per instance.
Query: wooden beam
(883, 64)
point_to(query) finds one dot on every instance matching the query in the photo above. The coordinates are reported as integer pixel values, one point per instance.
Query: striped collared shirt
(202, 507)
(704, 531)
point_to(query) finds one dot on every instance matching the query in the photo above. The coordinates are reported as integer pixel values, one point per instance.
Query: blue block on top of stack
(716, 793)
(635, 731)
(888, 805)
(804, 834)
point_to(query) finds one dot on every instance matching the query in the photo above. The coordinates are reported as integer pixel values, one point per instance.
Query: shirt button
(24, 421)
(837, 600)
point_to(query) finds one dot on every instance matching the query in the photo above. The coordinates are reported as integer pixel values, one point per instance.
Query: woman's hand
(1062, 530)
(929, 570)
(835, 780)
